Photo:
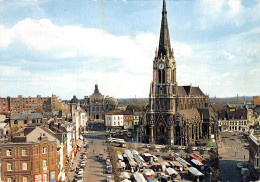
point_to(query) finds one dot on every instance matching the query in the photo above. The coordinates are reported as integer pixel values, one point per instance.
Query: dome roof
(96, 94)
(74, 100)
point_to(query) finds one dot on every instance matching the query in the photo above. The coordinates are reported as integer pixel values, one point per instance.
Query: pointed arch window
(163, 76)
(172, 76)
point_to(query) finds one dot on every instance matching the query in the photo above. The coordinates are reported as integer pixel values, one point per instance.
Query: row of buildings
(40, 146)
(22, 104)
(39, 136)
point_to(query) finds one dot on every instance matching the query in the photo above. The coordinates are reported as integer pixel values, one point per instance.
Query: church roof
(208, 113)
(188, 91)
(96, 94)
(190, 113)
(164, 42)
(74, 100)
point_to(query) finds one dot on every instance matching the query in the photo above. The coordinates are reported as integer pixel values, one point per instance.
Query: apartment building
(29, 161)
(22, 104)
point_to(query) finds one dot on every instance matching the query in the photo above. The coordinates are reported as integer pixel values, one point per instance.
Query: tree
(136, 107)
(201, 151)
(189, 150)
(14, 130)
(113, 157)
(152, 148)
(39, 110)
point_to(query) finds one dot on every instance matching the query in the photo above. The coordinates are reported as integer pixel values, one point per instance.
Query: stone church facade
(177, 114)
(97, 105)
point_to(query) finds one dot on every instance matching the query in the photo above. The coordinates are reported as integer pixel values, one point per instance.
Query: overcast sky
(64, 47)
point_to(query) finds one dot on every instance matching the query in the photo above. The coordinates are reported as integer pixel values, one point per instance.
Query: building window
(25, 179)
(24, 152)
(44, 164)
(25, 121)
(44, 150)
(9, 167)
(15, 122)
(25, 167)
(163, 76)
(9, 152)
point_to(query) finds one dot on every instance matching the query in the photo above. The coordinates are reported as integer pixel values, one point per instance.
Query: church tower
(162, 97)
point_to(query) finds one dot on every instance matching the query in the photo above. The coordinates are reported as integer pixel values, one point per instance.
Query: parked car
(239, 165)
(155, 159)
(109, 169)
(108, 162)
(110, 179)
(146, 146)
(100, 157)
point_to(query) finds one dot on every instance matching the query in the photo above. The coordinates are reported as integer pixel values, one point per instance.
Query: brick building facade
(25, 104)
(30, 161)
(257, 101)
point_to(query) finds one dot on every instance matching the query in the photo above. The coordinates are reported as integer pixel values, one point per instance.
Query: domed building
(97, 105)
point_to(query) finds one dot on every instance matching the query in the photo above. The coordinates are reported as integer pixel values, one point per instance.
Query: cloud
(235, 6)
(229, 55)
(215, 13)
(74, 57)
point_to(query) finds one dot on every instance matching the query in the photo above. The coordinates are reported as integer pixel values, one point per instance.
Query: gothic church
(177, 115)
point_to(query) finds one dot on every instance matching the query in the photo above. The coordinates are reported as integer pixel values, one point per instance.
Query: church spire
(164, 42)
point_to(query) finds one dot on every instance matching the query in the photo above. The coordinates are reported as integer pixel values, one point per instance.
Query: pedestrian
(93, 151)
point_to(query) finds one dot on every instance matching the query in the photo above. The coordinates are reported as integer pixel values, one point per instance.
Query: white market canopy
(195, 171)
(170, 171)
(124, 175)
(139, 177)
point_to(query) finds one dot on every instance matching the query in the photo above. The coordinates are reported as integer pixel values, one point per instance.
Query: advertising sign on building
(52, 176)
(38, 178)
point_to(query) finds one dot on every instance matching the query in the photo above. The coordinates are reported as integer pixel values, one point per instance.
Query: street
(231, 153)
(94, 170)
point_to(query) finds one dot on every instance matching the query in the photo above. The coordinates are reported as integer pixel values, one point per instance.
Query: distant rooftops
(27, 116)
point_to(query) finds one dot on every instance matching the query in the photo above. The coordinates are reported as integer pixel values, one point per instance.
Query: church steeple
(164, 42)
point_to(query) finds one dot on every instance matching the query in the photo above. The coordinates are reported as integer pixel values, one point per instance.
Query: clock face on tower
(161, 66)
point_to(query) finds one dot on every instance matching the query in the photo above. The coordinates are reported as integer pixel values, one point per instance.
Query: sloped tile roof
(27, 116)
(188, 91)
